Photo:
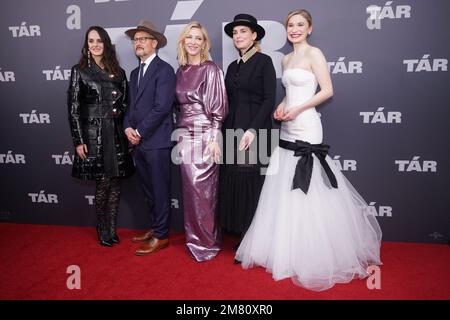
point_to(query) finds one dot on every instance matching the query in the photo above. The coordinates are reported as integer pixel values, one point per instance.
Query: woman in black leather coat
(97, 99)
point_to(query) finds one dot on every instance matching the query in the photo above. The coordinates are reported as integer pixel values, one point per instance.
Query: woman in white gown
(311, 225)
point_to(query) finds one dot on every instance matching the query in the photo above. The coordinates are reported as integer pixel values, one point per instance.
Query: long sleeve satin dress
(203, 105)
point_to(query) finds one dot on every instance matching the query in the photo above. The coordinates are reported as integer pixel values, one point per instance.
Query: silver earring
(309, 33)
(89, 58)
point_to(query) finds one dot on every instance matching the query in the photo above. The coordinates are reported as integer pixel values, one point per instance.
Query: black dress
(251, 89)
(97, 103)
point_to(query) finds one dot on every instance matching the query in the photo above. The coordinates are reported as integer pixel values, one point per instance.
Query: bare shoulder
(286, 59)
(315, 53)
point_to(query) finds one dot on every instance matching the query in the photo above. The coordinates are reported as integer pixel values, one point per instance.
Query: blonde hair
(181, 52)
(304, 13)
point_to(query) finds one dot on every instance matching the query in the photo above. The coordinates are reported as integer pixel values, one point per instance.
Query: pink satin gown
(203, 105)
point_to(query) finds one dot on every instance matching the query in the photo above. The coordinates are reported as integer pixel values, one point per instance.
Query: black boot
(113, 228)
(113, 208)
(101, 202)
(102, 231)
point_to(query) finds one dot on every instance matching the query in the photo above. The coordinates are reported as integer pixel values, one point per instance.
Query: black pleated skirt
(239, 190)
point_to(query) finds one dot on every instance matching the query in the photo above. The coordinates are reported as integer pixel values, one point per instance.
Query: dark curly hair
(109, 58)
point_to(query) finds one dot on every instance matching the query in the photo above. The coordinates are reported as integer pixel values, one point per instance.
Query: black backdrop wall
(387, 123)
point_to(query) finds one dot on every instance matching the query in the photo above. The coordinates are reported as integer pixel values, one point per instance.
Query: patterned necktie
(141, 73)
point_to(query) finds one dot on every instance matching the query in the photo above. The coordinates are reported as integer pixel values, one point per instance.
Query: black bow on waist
(303, 170)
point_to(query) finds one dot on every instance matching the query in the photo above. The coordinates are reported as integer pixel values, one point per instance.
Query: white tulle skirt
(324, 237)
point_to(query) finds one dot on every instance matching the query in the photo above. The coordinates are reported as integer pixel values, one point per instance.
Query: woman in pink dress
(203, 105)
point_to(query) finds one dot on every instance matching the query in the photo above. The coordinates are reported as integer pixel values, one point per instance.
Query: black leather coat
(97, 102)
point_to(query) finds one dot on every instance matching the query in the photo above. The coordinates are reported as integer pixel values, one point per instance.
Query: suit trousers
(153, 167)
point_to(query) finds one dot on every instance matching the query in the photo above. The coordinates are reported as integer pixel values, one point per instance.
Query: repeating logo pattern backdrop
(387, 123)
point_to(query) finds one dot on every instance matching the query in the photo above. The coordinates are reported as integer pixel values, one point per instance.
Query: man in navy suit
(148, 125)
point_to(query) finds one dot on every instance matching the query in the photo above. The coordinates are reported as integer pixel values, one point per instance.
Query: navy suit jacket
(150, 106)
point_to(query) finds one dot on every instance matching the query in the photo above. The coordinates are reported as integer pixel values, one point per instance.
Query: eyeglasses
(142, 40)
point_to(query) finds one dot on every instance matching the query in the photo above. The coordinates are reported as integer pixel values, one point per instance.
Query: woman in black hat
(251, 87)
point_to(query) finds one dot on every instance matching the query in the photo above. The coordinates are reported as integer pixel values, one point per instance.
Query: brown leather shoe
(144, 237)
(152, 246)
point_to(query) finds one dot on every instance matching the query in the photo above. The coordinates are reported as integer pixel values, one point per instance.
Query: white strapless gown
(324, 237)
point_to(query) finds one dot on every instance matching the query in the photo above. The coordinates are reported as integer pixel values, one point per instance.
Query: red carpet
(34, 260)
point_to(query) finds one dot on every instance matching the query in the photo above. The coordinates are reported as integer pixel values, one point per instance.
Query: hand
(82, 151)
(291, 114)
(214, 149)
(132, 136)
(246, 140)
(278, 113)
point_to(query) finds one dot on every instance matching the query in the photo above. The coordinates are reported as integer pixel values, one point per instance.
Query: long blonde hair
(181, 52)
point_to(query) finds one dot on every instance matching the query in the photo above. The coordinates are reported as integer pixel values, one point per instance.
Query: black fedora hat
(247, 20)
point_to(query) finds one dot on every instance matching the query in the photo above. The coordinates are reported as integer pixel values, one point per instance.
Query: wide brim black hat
(247, 20)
